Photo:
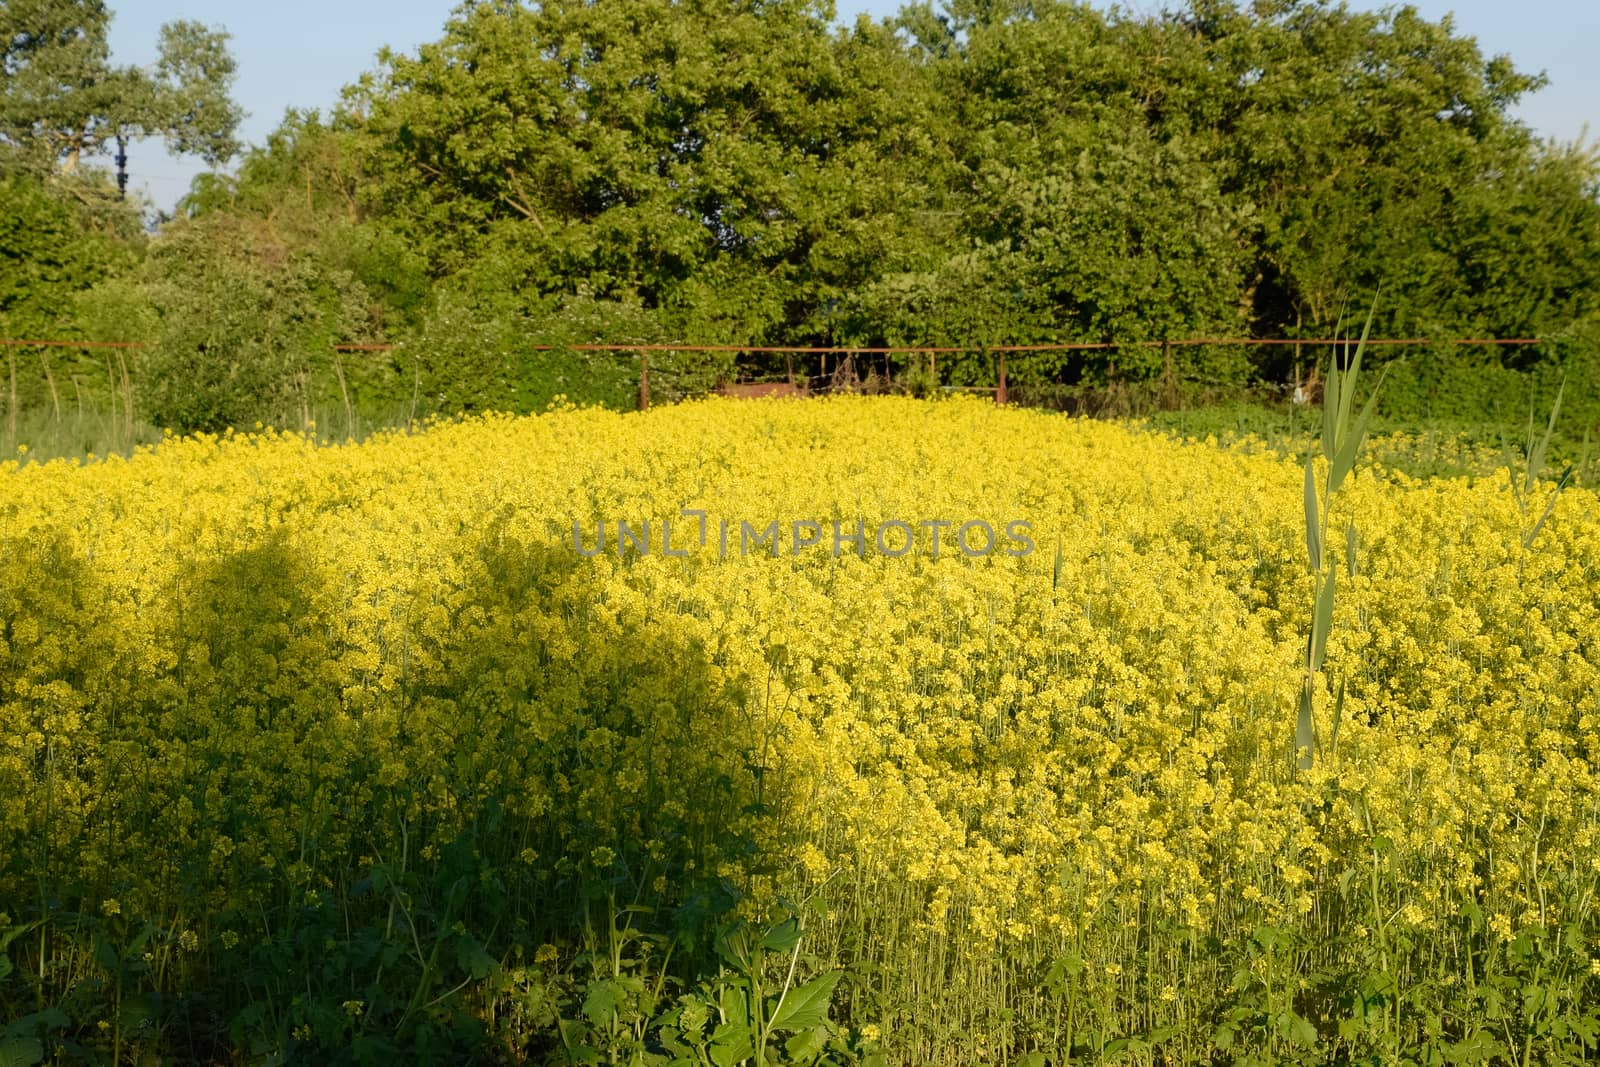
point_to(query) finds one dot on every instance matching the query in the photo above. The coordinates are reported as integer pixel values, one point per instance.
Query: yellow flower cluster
(238, 667)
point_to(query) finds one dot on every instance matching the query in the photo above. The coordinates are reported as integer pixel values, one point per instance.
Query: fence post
(644, 380)
(1169, 372)
(1000, 393)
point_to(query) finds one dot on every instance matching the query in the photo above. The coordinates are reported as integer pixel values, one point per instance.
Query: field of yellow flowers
(442, 746)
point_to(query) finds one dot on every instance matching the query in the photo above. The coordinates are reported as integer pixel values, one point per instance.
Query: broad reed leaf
(1347, 390)
(1550, 505)
(1304, 731)
(1330, 413)
(1536, 459)
(1338, 717)
(1313, 521)
(1322, 622)
(1351, 438)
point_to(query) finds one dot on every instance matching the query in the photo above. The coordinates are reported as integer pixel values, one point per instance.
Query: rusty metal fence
(844, 357)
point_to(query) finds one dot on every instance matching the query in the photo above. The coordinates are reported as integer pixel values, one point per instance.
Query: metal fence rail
(846, 352)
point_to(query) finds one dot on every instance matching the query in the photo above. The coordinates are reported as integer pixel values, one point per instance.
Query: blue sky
(294, 53)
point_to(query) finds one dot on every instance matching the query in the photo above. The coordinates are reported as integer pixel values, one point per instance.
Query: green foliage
(246, 330)
(474, 352)
(46, 256)
(49, 256)
(703, 167)
(750, 1011)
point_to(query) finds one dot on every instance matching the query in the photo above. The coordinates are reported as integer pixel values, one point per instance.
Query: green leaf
(1350, 448)
(1508, 456)
(1330, 413)
(731, 1002)
(1566, 477)
(1032, 1059)
(783, 937)
(693, 1014)
(807, 1005)
(1304, 732)
(1322, 622)
(1313, 519)
(734, 946)
(1535, 1000)
(807, 1045)
(1536, 460)
(1338, 717)
(474, 958)
(1298, 1029)
(600, 1006)
(21, 1052)
(10, 935)
(731, 1043)
(38, 1022)
(1347, 390)
(1479, 1048)
(105, 954)
(137, 1010)
(1063, 968)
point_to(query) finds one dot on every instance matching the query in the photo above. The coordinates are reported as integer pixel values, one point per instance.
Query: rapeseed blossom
(233, 666)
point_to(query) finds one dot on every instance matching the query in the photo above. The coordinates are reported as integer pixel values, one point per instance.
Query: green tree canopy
(749, 171)
(62, 98)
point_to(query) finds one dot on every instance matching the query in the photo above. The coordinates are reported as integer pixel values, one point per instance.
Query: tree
(996, 172)
(62, 99)
(736, 166)
(46, 258)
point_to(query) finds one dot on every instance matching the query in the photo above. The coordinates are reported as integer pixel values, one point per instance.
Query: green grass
(1440, 448)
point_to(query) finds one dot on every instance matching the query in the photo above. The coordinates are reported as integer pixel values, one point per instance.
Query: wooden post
(644, 380)
(1000, 393)
(1171, 377)
(11, 403)
(788, 367)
